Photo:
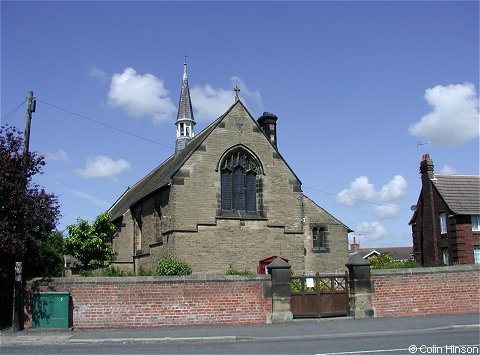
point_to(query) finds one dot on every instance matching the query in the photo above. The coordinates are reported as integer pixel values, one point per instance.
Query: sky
(361, 90)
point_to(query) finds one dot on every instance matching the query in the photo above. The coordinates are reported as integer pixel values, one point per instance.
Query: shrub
(171, 266)
(386, 261)
(85, 273)
(232, 271)
(114, 271)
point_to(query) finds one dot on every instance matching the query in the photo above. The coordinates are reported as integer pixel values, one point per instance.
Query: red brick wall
(159, 301)
(441, 290)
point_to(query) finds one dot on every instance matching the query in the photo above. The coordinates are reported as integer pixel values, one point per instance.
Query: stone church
(226, 197)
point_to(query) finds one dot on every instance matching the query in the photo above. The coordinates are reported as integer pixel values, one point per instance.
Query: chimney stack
(268, 124)
(426, 166)
(354, 247)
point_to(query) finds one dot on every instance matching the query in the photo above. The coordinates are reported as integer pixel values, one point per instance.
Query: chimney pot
(268, 124)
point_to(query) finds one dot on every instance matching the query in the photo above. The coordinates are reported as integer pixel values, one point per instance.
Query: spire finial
(185, 66)
(237, 92)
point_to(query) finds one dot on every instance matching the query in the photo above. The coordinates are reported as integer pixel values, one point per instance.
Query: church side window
(138, 232)
(318, 237)
(239, 182)
(157, 213)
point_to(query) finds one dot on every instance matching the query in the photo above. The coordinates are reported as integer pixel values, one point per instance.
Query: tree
(28, 214)
(88, 243)
(50, 256)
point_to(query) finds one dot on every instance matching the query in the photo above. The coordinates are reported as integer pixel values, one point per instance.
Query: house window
(318, 235)
(476, 223)
(443, 223)
(445, 255)
(239, 182)
(476, 254)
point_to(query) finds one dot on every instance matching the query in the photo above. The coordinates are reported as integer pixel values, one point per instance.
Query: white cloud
(389, 211)
(103, 166)
(454, 118)
(141, 95)
(94, 72)
(447, 169)
(371, 231)
(91, 199)
(210, 103)
(361, 189)
(59, 156)
(394, 189)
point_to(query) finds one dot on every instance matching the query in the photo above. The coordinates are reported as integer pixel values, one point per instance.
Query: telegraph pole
(17, 316)
(31, 103)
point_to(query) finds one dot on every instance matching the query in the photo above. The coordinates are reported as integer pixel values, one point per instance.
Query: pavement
(298, 329)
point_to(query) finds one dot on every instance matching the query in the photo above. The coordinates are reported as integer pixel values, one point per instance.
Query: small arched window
(239, 182)
(318, 235)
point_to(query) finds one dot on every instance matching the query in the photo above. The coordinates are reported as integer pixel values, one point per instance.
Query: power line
(166, 146)
(104, 124)
(5, 118)
(356, 199)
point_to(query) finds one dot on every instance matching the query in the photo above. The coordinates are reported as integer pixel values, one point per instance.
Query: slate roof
(397, 253)
(185, 111)
(460, 192)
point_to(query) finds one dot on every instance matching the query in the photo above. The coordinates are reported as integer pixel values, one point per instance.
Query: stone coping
(426, 270)
(146, 279)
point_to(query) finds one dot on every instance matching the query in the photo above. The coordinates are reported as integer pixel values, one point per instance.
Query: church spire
(185, 121)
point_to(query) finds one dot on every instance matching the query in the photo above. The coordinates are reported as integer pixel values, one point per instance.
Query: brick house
(446, 221)
(226, 197)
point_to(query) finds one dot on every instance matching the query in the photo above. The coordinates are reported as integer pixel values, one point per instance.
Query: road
(433, 340)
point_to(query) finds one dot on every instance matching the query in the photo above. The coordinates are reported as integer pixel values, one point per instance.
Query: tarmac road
(437, 334)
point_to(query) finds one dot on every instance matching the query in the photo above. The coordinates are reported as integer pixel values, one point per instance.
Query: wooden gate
(319, 295)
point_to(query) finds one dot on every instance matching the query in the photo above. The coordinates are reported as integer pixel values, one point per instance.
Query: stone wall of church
(123, 243)
(196, 186)
(334, 257)
(239, 243)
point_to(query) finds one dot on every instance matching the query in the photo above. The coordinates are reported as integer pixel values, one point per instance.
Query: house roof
(460, 192)
(397, 253)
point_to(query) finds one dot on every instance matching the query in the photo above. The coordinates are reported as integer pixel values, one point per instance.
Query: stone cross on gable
(237, 92)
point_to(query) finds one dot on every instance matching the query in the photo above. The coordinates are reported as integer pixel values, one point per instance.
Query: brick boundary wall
(422, 291)
(116, 302)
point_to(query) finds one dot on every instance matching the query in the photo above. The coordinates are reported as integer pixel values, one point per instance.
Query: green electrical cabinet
(51, 310)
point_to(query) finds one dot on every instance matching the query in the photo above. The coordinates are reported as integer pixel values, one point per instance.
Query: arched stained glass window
(239, 182)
